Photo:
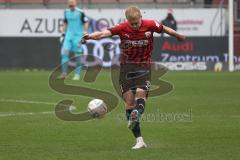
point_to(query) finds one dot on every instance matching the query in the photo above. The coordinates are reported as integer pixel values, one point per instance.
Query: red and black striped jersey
(137, 45)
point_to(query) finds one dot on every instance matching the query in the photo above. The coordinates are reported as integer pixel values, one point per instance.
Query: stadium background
(200, 117)
(38, 27)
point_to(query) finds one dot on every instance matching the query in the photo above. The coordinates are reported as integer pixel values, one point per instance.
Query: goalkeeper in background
(135, 65)
(75, 25)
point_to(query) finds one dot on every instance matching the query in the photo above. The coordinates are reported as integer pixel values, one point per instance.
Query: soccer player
(136, 36)
(75, 25)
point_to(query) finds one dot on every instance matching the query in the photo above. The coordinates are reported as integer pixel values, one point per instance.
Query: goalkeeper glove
(61, 39)
(83, 41)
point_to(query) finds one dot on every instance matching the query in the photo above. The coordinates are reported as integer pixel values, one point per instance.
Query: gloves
(61, 39)
(83, 41)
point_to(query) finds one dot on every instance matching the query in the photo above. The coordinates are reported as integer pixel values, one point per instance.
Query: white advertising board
(47, 22)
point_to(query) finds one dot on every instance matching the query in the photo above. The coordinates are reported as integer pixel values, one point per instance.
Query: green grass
(212, 133)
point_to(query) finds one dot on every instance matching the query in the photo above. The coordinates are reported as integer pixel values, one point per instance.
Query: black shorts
(133, 76)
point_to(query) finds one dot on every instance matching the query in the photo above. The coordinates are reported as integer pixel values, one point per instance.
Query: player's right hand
(61, 39)
(94, 36)
(83, 41)
(86, 36)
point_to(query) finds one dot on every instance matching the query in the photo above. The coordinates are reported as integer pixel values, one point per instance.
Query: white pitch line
(7, 114)
(24, 114)
(26, 101)
(29, 102)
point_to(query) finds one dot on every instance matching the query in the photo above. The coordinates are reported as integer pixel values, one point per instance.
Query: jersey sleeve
(116, 30)
(156, 27)
(65, 16)
(84, 19)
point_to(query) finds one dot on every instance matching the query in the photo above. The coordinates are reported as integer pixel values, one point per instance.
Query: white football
(97, 108)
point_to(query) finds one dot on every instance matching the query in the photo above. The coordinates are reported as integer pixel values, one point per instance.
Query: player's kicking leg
(134, 84)
(133, 114)
(137, 112)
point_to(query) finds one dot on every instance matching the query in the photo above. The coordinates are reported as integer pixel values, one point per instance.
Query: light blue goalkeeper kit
(75, 20)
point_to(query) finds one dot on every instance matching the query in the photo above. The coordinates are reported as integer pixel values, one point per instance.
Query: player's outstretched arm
(98, 35)
(86, 25)
(173, 33)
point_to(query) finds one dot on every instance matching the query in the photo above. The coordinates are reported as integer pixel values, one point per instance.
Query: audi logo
(100, 49)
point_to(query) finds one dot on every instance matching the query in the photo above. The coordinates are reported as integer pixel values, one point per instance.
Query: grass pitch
(198, 120)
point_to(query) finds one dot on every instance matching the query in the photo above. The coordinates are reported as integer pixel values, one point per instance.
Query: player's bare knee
(129, 104)
(141, 93)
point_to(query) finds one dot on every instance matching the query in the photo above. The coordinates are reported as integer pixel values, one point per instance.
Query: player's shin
(136, 129)
(64, 62)
(78, 64)
(128, 113)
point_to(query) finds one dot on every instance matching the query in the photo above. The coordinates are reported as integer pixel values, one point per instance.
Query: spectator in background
(75, 25)
(170, 21)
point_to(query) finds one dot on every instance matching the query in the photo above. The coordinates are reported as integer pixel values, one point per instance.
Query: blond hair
(132, 12)
(72, 2)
